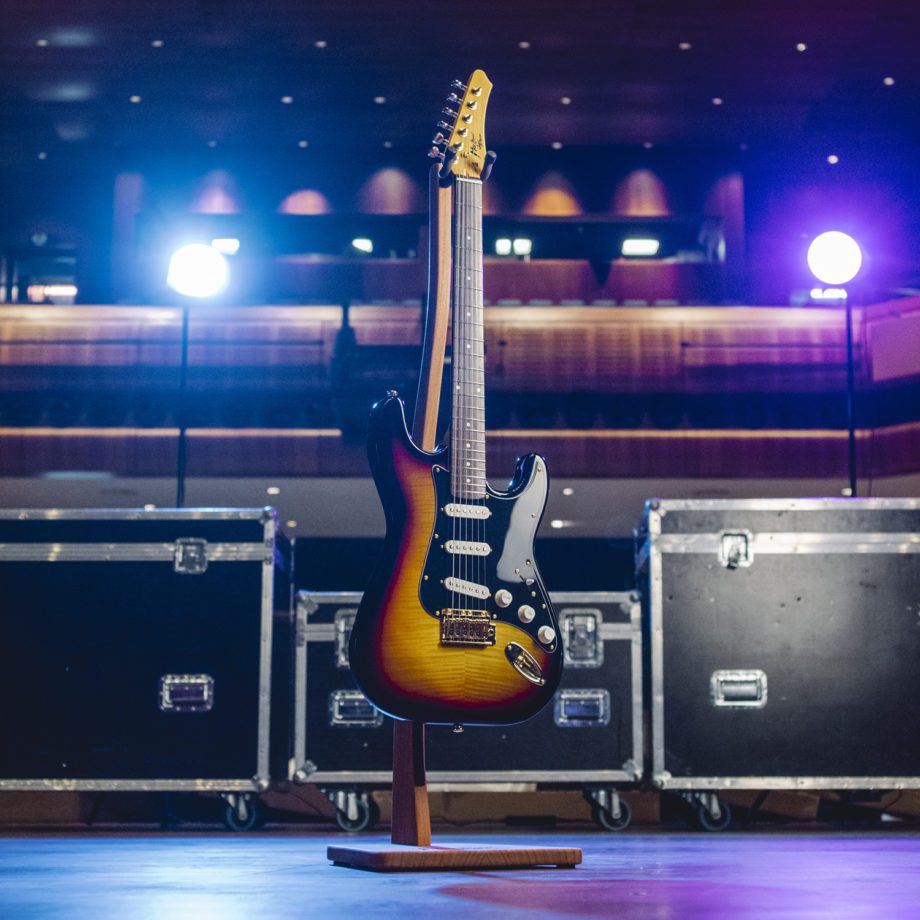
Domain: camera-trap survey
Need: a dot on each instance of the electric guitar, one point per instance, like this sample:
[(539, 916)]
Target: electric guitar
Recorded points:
[(456, 625)]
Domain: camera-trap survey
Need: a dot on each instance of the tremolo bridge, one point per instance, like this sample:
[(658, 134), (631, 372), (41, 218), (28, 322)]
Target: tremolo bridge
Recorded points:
[(466, 627)]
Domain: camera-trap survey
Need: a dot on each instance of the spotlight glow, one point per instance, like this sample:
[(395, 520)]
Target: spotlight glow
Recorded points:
[(503, 247), (834, 258), (197, 270), (229, 245), (640, 247), (362, 244), (522, 247)]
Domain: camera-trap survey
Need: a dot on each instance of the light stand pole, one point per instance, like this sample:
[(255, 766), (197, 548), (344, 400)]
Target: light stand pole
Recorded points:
[(195, 271), (835, 259), (851, 397), (181, 415)]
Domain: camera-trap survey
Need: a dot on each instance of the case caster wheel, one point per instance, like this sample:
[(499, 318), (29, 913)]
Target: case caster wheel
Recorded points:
[(242, 812), (714, 822), (355, 813), (609, 821)]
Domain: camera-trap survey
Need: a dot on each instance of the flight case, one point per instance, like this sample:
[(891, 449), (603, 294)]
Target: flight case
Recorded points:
[(784, 641), (590, 735), (137, 648)]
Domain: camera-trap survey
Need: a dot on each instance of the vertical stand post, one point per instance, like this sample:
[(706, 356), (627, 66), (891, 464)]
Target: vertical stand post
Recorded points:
[(411, 821), (851, 399), (180, 409)]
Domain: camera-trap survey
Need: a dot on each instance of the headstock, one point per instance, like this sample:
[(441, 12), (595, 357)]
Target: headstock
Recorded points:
[(461, 130)]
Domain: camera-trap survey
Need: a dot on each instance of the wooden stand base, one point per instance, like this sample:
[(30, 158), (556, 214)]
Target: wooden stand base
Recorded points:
[(391, 857)]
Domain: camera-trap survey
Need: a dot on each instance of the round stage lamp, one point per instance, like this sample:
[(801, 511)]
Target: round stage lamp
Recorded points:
[(197, 270), (834, 257)]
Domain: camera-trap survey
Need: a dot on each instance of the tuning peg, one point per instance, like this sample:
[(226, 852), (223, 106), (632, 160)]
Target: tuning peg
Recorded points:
[(459, 85), (491, 157), (445, 125), (453, 99), (450, 113), (435, 154), (439, 139)]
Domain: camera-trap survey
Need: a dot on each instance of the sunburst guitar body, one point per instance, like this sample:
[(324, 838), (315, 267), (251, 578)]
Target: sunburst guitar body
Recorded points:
[(420, 648), (456, 625)]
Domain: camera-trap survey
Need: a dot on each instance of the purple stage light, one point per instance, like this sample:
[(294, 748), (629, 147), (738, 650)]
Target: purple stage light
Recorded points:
[(834, 257)]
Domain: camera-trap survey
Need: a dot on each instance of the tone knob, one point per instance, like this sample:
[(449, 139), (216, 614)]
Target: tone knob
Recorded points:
[(526, 613), (546, 634), (503, 597)]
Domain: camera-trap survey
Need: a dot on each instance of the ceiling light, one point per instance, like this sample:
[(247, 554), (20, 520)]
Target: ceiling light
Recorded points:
[(640, 247), (135, 99), (522, 246), (556, 145), (717, 100), (556, 524), (685, 46), (566, 100), (42, 43), (303, 144), (212, 143), (157, 43), (42, 155), (290, 524), (568, 490), (363, 244), (833, 159), (319, 44), (287, 100), (524, 45), (801, 46), (388, 144), (503, 247), (150, 507), (888, 81), (380, 100), (273, 490)]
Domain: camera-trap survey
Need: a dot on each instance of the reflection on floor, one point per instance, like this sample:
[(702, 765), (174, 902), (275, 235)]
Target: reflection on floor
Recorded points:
[(630, 876)]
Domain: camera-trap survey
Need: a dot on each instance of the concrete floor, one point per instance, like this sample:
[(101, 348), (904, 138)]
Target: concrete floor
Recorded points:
[(660, 875)]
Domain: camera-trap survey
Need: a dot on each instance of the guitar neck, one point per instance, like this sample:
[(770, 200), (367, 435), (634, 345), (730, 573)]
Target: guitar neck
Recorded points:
[(468, 435)]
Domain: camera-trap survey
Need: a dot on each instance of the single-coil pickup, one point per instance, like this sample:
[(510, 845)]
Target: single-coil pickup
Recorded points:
[(476, 512), (467, 548), (469, 588)]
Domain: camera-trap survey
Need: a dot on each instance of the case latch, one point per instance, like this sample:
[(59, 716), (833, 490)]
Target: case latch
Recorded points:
[(344, 621), (735, 549), (190, 556), (581, 644)]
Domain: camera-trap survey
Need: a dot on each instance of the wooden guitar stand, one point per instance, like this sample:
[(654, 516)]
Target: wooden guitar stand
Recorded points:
[(410, 846)]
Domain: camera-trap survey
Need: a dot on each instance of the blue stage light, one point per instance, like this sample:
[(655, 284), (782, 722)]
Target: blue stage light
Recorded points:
[(197, 270), (834, 257)]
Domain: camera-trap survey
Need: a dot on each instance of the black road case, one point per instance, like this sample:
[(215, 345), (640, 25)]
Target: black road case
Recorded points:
[(784, 643), (590, 735), (137, 648)]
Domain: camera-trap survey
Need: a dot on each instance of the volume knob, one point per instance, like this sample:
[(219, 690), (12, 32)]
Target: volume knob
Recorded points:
[(546, 634), (526, 613), (503, 597)]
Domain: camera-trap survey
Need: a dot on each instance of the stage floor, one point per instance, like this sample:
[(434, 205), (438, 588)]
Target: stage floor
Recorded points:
[(660, 875)]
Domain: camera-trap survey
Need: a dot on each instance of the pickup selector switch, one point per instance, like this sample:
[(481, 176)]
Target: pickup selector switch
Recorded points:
[(526, 613), (503, 597), (546, 634)]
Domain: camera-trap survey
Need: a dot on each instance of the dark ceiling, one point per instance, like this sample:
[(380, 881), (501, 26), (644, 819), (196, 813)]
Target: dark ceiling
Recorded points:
[(635, 71)]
